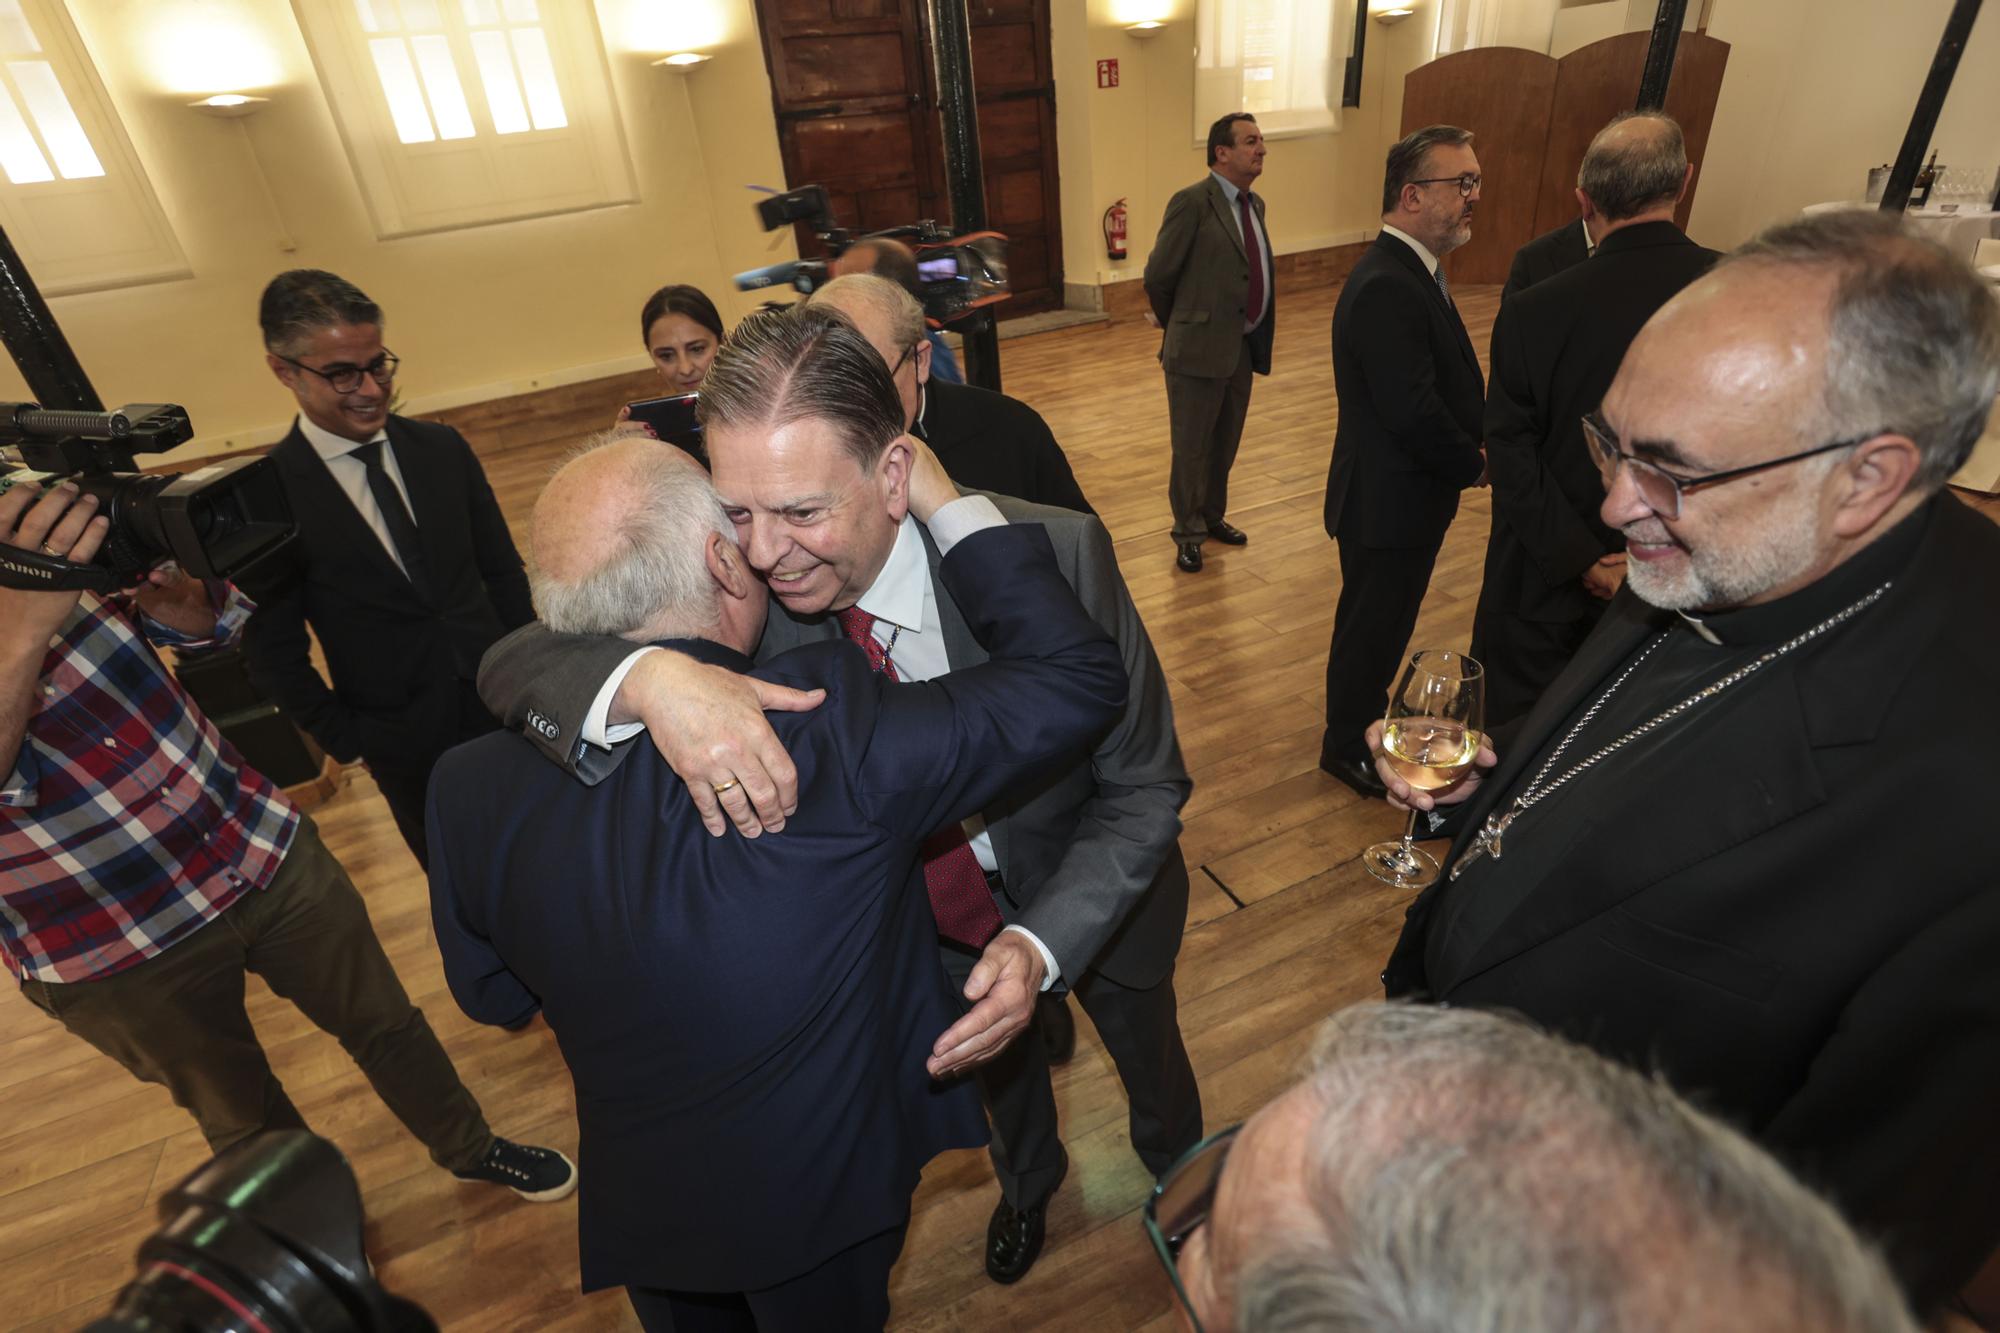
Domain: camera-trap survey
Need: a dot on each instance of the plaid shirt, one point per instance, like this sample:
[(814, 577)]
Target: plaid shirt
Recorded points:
[(127, 822)]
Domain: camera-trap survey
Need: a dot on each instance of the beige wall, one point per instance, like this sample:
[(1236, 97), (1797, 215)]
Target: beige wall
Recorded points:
[(488, 311), (474, 313), (1137, 141), (1818, 91)]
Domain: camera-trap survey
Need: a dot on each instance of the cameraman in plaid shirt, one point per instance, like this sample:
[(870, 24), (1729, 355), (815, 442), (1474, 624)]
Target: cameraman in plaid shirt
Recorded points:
[(144, 868)]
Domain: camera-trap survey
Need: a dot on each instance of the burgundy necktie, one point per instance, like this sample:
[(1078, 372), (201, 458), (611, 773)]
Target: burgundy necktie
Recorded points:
[(1255, 305), (960, 898)]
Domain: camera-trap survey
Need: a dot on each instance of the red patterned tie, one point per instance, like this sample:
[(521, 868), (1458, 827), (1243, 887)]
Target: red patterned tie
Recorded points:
[(960, 898), (1255, 304)]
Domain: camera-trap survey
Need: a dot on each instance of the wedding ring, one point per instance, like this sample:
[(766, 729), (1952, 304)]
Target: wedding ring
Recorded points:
[(51, 551), (721, 787)]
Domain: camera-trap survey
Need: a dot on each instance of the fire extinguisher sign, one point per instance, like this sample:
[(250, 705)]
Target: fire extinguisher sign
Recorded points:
[(1107, 73)]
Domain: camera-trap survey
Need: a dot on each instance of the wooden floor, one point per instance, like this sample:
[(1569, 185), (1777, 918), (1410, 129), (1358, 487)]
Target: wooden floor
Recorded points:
[(1283, 926)]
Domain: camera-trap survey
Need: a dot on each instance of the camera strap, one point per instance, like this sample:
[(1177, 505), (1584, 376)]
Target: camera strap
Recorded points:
[(38, 571)]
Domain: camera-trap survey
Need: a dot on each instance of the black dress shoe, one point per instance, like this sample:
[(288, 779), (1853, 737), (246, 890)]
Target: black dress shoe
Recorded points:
[(1190, 557), (1014, 1239), (1228, 535), (1058, 1027), (1359, 774)]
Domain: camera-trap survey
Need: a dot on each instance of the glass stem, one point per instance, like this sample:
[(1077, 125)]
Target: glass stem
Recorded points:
[(1409, 836)]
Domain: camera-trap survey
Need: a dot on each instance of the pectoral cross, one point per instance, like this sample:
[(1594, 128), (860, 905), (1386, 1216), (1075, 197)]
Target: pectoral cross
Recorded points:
[(1488, 841)]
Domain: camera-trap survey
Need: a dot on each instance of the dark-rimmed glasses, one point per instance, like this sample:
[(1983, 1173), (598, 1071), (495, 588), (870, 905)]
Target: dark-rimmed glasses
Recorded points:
[(1180, 1203), (1662, 490), (1466, 183), (346, 379), (902, 360)]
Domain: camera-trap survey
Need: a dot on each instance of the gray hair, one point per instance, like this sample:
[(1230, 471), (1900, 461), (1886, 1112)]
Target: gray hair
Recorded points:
[(1626, 175), (805, 362), (655, 581), (1470, 1173), (1407, 158), (301, 301), (1913, 335), (887, 298)]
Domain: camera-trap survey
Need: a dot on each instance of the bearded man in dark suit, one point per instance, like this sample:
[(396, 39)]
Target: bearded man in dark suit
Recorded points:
[(1407, 441), (1715, 847), (403, 568)]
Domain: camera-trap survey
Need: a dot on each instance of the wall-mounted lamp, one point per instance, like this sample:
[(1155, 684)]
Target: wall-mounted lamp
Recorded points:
[(684, 61), (1390, 17), (1144, 28), (230, 105)]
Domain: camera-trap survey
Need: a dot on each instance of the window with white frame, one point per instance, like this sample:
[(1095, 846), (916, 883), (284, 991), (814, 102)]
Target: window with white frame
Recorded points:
[(1280, 60), (461, 112), (72, 197)]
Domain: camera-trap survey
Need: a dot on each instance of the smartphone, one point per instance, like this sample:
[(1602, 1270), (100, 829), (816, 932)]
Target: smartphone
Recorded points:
[(672, 419)]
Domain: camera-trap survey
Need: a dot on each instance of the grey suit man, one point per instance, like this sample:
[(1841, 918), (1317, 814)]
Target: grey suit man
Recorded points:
[(1083, 864), (1209, 281)]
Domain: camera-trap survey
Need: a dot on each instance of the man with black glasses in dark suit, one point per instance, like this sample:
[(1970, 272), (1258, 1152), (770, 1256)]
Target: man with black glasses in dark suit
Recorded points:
[(1408, 437), (404, 568)]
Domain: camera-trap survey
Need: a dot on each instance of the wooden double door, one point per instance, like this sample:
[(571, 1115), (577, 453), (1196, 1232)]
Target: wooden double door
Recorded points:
[(855, 91)]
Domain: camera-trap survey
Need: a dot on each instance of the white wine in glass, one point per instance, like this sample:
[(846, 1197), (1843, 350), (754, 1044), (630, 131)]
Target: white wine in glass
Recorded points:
[(1430, 737)]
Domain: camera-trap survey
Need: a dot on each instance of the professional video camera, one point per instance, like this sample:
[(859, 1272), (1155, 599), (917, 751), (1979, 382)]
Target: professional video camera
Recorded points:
[(955, 274), (266, 1236), (214, 521)]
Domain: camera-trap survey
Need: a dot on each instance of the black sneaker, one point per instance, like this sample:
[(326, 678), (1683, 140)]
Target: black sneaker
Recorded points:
[(539, 1175)]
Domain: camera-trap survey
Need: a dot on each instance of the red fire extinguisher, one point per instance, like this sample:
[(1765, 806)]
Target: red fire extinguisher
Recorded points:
[(1114, 230)]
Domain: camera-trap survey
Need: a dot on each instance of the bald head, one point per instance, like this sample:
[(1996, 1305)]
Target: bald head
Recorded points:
[(1635, 168), (622, 536), (883, 257)]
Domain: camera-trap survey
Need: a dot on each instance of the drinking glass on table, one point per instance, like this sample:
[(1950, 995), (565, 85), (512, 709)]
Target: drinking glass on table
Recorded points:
[(1430, 736)]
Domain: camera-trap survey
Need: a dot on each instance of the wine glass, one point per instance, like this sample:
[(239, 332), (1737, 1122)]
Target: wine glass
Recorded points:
[(1430, 736)]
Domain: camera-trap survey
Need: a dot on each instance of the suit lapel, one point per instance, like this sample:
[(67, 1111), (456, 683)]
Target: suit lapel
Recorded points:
[(960, 648), (312, 483), (428, 485), (1220, 203), (1407, 257)]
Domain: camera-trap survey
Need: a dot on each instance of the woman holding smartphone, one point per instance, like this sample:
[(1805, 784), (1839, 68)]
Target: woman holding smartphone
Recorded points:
[(683, 331)]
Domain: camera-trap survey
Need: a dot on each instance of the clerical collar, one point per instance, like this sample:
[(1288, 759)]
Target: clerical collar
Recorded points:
[(897, 594), (1881, 560), (330, 446)]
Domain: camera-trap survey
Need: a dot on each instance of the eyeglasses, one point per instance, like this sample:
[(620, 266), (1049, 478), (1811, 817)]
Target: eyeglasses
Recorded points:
[(1466, 184), (902, 360), (1662, 490), (1180, 1203), (346, 379)]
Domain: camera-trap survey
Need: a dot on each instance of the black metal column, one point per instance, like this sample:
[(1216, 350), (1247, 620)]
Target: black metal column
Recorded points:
[(964, 171), (1350, 88), (1660, 55), (36, 341), (1923, 122)]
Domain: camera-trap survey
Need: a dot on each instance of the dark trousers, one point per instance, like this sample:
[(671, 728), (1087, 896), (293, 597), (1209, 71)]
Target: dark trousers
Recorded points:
[(1523, 657), (178, 1018), (1380, 591), (1141, 1032), (1205, 420), (405, 780), (849, 1292)]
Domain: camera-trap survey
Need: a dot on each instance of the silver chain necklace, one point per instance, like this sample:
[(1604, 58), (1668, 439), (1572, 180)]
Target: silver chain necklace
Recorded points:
[(1495, 827)]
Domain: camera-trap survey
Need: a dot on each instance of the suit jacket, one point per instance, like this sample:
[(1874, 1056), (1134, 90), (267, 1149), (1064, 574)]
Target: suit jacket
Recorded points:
[(1556, 349), (1773, 913), (1090, 852), (1545, 256), (747, 1021), (990, 442), (1198, 281), (396, 656), (1407, 440)]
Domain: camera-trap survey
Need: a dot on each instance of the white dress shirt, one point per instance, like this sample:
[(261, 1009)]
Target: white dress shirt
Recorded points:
[(1230, 192), (351, 475), (903, 601), (1423, 253)]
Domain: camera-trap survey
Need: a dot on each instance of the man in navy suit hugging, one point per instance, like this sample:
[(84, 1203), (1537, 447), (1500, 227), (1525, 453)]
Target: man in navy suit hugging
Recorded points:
[(757, 1030)]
